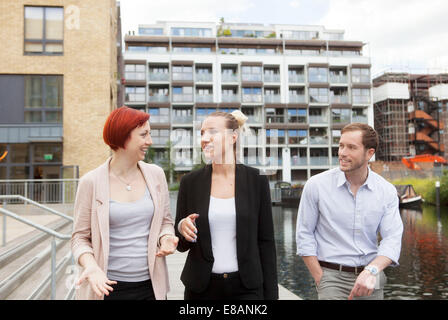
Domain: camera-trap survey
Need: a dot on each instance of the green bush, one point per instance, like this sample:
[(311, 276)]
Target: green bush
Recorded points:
[(427, 187)]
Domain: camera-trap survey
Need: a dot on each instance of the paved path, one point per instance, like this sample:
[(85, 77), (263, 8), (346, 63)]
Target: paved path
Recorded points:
[(175, 264)]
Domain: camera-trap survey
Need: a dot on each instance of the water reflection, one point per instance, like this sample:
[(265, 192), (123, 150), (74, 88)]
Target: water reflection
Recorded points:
[(423, 270)]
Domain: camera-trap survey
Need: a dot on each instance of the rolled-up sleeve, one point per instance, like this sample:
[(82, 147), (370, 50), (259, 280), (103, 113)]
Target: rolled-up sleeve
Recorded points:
[(306, 221), (391, 230)]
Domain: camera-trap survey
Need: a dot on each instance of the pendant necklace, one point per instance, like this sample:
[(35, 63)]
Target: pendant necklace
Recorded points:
[(128, 185)]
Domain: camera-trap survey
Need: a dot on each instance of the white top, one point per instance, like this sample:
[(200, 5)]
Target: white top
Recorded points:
[(222, 221)]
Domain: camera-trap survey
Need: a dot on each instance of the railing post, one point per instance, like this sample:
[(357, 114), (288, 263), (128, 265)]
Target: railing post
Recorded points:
[(53, 268), (26, 192), (4, 225)]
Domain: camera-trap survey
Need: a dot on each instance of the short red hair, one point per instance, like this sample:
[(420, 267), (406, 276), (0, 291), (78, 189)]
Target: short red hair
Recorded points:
[(119, 125)]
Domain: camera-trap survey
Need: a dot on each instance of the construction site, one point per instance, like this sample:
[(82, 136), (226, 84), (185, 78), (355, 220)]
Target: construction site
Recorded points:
[(410, 116)]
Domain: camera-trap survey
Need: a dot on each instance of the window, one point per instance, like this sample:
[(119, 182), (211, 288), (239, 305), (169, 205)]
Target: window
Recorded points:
[(275, 136), (49, 152), (182, 73), (182, 94), (134, 71), (297, 136), (251, 73), (297, 115), (318, 95), (44, 30), (340, 115), (319, 75), (160, 136), (151, 31), (191, 32), (360, 75), (43, 99), (159, 115)]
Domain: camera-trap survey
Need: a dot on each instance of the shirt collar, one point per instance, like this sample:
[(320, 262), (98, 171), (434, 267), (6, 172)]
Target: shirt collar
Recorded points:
[(343, 180)]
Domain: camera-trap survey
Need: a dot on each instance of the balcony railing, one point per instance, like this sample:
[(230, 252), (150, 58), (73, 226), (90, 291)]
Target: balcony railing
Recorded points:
[(272, 98), (318, 119), (254, 119), (298, 140), (230, 98), (182, 76), (159, 77), (160, 119), (361, 119), (338, 79), (159, 98), (299, 161), (274, 161), (182, 98), (319, 161), (335, 161), (160, 140), (297, 98), (229, 78), (182, 119), (204, 77), (361, 100), (339, 99), (271, 78), (204, 98), (252, 98), (183, 162), (254, 161), (340, 119), (275, 119), (318, 140), (298, 78), (297, 119)]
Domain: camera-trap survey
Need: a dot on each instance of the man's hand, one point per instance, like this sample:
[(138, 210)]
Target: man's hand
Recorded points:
[(364, 285)]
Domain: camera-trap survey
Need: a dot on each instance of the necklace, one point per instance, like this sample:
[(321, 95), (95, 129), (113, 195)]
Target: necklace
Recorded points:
[(128, 184)]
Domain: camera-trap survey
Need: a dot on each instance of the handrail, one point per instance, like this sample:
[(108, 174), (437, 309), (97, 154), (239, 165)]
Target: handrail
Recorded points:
[(36, 225), (40, 227), (37, 204)]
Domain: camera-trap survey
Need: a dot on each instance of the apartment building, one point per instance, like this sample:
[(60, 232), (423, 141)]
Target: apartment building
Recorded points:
[(410, 114), (58, 83), (299, 85)]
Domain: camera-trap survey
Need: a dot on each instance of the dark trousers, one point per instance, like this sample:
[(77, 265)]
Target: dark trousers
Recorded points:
[(227, 286), (132, 291)]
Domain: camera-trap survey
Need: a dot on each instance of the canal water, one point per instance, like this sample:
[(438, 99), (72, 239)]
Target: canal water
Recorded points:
[(423, 269)]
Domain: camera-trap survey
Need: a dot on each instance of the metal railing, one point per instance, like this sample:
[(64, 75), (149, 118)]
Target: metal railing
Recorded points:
[(41, 190), (40, 227)]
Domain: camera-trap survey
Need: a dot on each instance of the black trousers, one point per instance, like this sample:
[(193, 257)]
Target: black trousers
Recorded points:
[(226, 286), (132, 291)]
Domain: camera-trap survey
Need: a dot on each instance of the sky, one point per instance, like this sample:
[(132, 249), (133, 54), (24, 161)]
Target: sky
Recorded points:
[(403, 35)]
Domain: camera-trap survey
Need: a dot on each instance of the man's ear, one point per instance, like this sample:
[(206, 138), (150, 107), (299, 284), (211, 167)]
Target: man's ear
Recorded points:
[(370, 153)]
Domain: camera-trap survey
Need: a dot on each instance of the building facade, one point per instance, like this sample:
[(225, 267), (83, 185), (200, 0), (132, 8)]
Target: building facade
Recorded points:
[(58, 83), (298, 85), (410, 114)]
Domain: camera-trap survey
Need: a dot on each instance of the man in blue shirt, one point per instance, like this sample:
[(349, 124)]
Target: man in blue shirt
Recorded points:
[(341, 212)]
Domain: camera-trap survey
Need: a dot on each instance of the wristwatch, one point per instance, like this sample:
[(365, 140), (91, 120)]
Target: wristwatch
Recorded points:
[(372, 269)]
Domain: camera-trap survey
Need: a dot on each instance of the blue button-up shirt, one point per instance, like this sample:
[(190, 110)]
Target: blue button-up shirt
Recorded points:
[(338, 227)]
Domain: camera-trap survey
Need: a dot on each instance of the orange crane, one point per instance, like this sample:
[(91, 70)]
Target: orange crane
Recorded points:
[(410, 162)]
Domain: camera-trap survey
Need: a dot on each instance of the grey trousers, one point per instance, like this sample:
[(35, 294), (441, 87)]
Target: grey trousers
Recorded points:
[(336, 285)]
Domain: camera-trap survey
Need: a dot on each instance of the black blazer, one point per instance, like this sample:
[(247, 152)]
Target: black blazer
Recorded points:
[(256, 252)]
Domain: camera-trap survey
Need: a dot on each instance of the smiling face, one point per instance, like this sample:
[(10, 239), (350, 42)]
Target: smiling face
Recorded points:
[(217, 141), (352, 153), (139, 141)]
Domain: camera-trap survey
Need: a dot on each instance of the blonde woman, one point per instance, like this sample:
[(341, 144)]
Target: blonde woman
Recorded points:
[(224, 221), (123, 227)]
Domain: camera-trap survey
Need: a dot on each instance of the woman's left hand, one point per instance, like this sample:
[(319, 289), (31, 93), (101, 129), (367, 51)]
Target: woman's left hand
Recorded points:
[(168, 245)]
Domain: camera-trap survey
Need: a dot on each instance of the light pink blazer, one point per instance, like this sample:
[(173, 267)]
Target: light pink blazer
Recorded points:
[(91, 224)]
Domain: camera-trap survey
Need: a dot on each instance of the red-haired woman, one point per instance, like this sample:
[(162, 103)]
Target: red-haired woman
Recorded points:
[(123, 227)]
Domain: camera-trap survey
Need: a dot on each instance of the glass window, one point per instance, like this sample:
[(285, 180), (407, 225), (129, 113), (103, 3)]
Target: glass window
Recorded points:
[(19, 172), (151, 31), (44, 30), (48, 152), (2, 173), (318, 95), (318, 75), (43, 99), (361, 75), (19, 153)]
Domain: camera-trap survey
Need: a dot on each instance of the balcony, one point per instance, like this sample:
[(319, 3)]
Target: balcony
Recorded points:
[(275, 119), (159, 77), (252, 98), (297, 78), (318, 140), (202, 98), (274, 161), (342, 99), (182, 119), (160, 141), (254, 161), (338, 79), (204, 77), (230, 98), (272, 98), (160, 119), (318, 119), (299, 161), (272, 78), (361, 99), (183, 162), (182, 76), (182, 98), (183, 141), (229, 77), (254, 119), (159, 98), (319, 161), (297, 119), (297, 98)]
